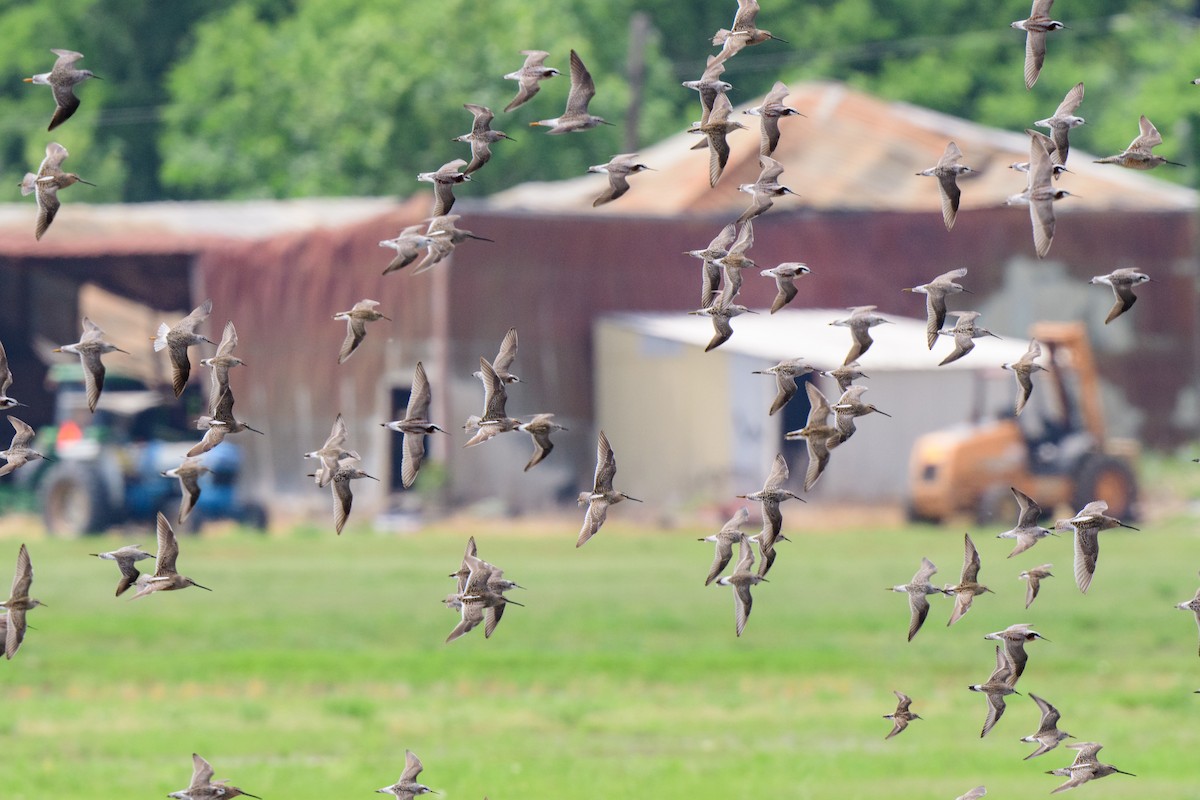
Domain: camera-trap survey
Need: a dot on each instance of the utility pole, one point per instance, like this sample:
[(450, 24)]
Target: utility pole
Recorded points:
[(635, 73)]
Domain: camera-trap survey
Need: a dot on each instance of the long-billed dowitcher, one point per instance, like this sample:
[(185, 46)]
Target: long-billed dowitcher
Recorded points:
[(1122, 282), (343, 497), (165, 577), (998, 686), (203, 787), (1036, 26), (62, 79), (965, 333), (408, 245), (764, 190), (860, 322), (481, 598), (89, 348), (730, 534), (576, 116), (495, 419), (902, 715), (218, 424), (46, 183), (785, 275), (1027, 532), (716, 249), (1087, 525), (529, 77), (222, 362), (126, 557), (1033, 577), (6, 380), (407, 787), (968, 587), (356, 320), (445, 236), (1086, 767), (1041, 195), (1061, 123), (18, 603), (505, 356), (709, 85), (721, 311), (935, 300), (539, 429), (947, 170), (785, 373), (816, 433), (742, 578), (332, 451), (443, 179), (1015, 637), (1192, 605), (481, 138), (1023, 369), (769, 113), (736, 260), (917, 589), (1048, 735), (716, 128), (618, 169), (849, 407), (602, 494), (177, 338), (744, 32), (845, 375), (769, 497), (188, 474), (415, 426), (19, 452), (1139, 155)]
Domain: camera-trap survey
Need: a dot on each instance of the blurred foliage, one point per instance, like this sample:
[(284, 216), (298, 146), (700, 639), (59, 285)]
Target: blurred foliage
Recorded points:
[(279, 98)]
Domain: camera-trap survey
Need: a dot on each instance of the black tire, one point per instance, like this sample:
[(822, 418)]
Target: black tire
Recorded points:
[(912, 515), (995, 505), (73, 500), (254, 516), (1102, 477)]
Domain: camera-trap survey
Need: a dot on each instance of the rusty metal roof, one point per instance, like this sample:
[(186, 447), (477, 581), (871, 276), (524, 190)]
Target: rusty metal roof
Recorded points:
[(851, 151)]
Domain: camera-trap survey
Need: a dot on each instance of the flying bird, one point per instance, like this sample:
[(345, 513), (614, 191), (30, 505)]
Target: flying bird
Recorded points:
[(6, 380), (332, 451), (1087, 525), (849, 407), (785, 373), (1041, 195), (62, 79), (177, 338), (770, 112), (901, 716), (618, 169), (965, 333), (998, 686), (203, 787), (724, 539), (539, 429), (407, 787), (1033, 577), (529, 77), (1139, 154), (785, 275), (917, 590), (1086, 767), (356, 325), (444, 236), (741, 580), (219, 423), (1023, 369), (221, 363), (817, 433), (1122, 282), (19, 452), (860, 322), (1048, 735), (1027, 532), (1036, 26), (343, 497), (443, 180), (126, 558), (709, 85), (718, 248), (481, 138), (188, 474), (769, 497), (744, 32), (947, 170), (415, 426), (1015, 637), (602, 494), (495, 419), (46, 183), (716, 128), (576, 116), (968, 587), (165, 577), (1192, 605), (90, 347), (1061, 123), (18, 603), (935, 300), (408, 246)]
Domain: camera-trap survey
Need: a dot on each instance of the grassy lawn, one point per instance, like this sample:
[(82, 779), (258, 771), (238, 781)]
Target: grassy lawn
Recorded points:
[(317, 660)]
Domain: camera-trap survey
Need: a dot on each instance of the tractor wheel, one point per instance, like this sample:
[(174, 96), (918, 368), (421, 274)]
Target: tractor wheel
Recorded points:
[(73, 501), (995, 505), (1102, 477), (254, 516)]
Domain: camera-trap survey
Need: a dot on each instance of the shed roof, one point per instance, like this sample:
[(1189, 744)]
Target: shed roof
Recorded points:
[(808, 334), (851, 151)]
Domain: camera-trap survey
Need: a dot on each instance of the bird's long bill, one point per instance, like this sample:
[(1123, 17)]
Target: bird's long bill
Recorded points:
[(89, 183), (205, 588), (634, 499), (256, 430)]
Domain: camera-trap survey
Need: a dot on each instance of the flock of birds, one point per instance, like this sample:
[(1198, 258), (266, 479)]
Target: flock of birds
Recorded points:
[(480, 591)]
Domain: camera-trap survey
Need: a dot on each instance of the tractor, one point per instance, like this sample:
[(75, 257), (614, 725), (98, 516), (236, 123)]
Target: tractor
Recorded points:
[(1058, 451)]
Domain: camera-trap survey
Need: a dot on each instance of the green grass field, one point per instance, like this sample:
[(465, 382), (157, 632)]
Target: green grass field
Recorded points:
[(317, 660)]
